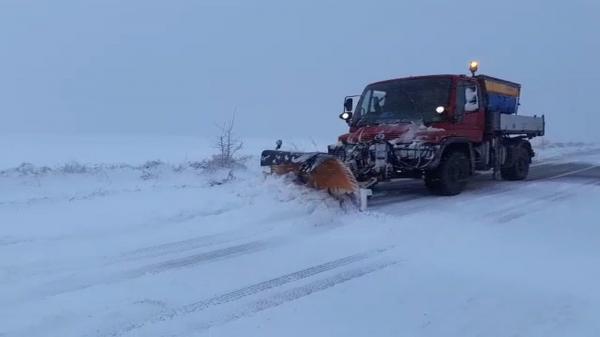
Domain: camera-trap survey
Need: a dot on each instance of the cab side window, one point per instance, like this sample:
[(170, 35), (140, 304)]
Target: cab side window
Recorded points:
[(467, 99), (364, 106), (471, 98)]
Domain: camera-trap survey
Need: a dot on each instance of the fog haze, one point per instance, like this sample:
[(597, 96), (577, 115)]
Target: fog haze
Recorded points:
[(179, 67)]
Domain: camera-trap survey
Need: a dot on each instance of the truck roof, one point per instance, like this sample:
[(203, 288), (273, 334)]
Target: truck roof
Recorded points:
[(483, 77), (415, 77)]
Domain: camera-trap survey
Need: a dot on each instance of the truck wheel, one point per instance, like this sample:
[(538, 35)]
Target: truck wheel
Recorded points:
[(432, 183), (450, 178), (520, 165)]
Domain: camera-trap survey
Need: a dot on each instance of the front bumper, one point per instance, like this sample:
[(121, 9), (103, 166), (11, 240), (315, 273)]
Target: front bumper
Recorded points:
[(414, 155)]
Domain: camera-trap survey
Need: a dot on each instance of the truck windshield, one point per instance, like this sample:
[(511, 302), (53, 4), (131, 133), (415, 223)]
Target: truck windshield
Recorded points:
[(404, 100)]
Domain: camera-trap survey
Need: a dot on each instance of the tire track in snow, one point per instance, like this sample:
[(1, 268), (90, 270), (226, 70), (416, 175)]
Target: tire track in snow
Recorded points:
[(294, 294), (174, 247), (191, 260), (180, 246), (507, 214), (251, 290), (179, 217), (101, 278)]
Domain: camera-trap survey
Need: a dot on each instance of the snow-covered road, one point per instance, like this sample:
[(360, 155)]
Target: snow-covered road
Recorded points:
[(162, 250)]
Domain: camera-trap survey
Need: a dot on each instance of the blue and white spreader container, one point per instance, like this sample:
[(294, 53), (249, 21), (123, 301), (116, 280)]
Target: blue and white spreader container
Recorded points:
[(502, 95)]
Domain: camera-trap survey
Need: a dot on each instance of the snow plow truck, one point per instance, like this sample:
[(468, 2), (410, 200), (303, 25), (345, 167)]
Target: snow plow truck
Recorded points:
[(438, 128)]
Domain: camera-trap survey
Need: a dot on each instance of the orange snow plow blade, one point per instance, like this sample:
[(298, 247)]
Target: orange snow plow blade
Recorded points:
[(318, 170), (331, 174)]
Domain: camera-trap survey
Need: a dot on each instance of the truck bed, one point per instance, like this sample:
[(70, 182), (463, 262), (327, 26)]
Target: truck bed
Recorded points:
[(517, 124)]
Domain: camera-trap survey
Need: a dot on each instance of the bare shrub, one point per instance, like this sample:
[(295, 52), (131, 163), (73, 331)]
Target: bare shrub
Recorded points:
[(228, 147)]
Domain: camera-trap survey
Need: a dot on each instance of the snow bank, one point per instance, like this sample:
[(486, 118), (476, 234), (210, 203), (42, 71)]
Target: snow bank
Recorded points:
[(134, 149)]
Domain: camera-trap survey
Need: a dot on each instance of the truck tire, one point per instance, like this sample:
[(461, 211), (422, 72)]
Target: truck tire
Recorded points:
[(451, 176), (432, 183), (519, 169)]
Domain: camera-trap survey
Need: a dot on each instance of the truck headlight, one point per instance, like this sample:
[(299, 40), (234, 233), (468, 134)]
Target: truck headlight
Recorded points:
[(345, 115)]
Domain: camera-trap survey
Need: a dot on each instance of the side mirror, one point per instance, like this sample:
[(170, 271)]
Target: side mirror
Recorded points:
[(348, 112), (348, 104)]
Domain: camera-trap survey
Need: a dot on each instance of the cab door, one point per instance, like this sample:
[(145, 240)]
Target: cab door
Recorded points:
[(468, 110)]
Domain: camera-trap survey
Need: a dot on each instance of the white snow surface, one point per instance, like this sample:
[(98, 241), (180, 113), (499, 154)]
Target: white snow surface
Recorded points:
[(108, 236)]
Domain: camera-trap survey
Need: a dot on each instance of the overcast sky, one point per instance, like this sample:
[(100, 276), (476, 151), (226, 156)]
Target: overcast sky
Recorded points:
[(181, 66)]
